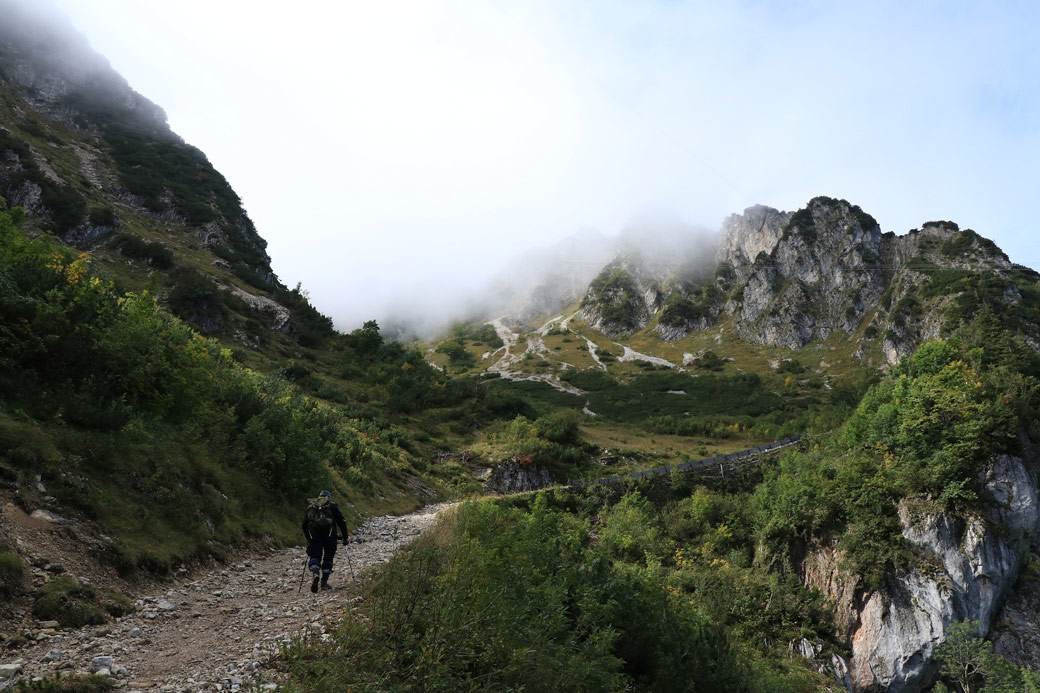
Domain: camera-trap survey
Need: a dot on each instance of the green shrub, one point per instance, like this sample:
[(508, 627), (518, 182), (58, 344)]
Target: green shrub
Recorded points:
[(194, 297), (102, 216), (588, 380), (926, 431), (682, 311), (74, 604), (515, 599), (790, 366), (559, 427), (613, 292), (459, 358), (632, 531), (156, 254), (483, 333), (710, 361), (12, 574)]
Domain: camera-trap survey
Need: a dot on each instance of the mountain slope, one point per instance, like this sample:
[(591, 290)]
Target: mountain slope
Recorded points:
[(791, 279), (95, 163)]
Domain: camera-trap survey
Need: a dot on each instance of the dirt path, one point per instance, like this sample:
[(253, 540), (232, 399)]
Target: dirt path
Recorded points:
[(215, 630), (535, 346)]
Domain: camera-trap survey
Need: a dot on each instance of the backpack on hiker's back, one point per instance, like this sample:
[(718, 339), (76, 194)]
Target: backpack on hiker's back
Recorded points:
[(319, 515)]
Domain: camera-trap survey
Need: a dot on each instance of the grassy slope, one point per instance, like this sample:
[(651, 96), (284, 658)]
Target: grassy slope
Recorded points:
[(628, 397)]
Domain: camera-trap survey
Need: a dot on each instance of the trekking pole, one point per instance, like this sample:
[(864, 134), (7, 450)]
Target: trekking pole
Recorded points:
[(302, 574), (350, 563)]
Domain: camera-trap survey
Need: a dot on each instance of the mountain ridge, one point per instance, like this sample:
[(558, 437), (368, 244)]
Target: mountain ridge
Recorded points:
[(789, 279)]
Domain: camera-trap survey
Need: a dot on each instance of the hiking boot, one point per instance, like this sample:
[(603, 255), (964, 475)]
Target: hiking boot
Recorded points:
[(314, 584), (325, 583)]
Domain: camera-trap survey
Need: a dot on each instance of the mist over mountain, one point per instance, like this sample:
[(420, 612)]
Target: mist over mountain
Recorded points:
[(95, 163), (167, 403)]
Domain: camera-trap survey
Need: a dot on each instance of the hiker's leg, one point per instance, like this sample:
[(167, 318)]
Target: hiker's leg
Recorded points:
[(329, 546), (326, 562), (314, 547)]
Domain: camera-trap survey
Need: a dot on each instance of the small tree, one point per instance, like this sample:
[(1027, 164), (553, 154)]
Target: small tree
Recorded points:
[(963, 655)]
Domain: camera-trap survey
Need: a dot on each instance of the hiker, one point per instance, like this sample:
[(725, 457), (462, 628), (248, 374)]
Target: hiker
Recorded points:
[(319, 526)]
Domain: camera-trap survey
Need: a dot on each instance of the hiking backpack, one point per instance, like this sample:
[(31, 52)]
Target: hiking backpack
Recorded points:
[(319, 517)]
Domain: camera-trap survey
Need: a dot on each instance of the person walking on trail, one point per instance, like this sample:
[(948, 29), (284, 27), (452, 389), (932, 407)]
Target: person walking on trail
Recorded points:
[(320, 522)]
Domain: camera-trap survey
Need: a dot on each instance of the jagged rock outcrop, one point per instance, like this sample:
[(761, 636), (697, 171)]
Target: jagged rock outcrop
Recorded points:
[(278, 315), (833, 666), (514, 476), (746, 236), (819, 275), (789, 279), (935, 272), (1016, 630), (966, 571), (622, 298)]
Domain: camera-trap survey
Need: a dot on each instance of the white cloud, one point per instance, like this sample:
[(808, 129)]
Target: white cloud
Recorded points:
[(381, 146)]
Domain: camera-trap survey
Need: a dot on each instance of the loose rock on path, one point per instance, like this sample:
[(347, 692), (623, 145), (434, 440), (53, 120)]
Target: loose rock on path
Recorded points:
[(216, 631)]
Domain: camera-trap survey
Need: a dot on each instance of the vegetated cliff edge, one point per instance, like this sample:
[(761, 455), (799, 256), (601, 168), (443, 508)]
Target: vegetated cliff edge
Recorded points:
[(966, 570), (789, 279)]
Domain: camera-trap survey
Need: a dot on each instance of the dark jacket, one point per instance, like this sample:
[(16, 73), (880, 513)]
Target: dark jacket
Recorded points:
[(337, 521)]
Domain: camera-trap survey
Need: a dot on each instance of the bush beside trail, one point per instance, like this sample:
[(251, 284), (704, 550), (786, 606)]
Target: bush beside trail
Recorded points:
[(137, 423)]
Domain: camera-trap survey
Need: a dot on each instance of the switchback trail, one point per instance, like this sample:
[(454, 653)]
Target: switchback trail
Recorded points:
[(215, 631)]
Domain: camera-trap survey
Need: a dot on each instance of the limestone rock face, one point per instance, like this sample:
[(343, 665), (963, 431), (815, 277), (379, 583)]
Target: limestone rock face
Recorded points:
[(55, 69), (791, 278), (1016, 632), (514, 476), (812, 272), (278, 315), (968, 569), (746, 236)]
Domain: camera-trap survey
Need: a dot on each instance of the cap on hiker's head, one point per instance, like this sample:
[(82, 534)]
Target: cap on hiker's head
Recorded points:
[(324, 494)]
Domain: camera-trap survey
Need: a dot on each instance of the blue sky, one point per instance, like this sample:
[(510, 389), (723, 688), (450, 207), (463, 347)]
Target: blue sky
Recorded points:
[(401, 152)]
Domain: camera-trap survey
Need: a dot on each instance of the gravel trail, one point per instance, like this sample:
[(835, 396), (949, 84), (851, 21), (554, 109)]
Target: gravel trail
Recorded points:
[(216, 630)]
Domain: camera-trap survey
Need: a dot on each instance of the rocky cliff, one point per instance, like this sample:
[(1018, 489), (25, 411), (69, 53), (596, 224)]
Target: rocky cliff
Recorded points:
[(790, 279), (622, 298), (816, 273), (965, 571)]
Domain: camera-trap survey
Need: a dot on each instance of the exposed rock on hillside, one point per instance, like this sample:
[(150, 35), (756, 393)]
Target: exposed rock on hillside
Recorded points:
[(746, 236), (820, 275), (96, 164), (788, 279), (80, 150), (278, 315), (658, 269), (514, 476), (966, 571), (55, 70), (1016, 631), (622, 298)]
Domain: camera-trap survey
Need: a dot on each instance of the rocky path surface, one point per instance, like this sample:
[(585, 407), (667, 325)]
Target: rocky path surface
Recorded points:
[(535, 345), (216, 631)]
